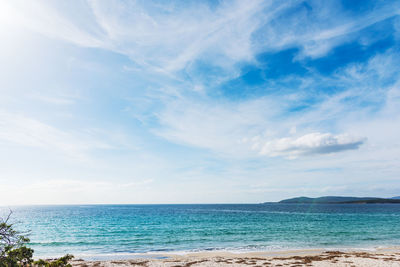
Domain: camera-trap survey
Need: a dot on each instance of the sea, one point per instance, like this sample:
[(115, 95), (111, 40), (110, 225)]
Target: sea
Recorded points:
[(118, 231)]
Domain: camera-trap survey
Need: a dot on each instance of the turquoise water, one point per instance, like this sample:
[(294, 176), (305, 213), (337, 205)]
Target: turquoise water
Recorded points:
[(125, 229)]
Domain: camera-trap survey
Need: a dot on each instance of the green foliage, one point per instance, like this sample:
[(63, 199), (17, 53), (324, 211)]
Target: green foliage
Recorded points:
[(12, 249), (14, 253), (61, 262), (21, 256)]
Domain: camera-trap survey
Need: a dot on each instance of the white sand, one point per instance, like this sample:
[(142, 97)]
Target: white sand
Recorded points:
[(296, 258)]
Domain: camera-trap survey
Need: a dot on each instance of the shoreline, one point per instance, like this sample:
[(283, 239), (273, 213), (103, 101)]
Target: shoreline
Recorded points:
[(223, 253), (388, 256)]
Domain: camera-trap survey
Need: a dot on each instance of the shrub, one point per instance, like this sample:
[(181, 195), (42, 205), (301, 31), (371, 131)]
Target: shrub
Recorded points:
[(14, 253), (61, 262)]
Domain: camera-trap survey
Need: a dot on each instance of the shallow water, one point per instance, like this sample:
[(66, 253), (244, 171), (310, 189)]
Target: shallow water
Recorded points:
[(125, 229)]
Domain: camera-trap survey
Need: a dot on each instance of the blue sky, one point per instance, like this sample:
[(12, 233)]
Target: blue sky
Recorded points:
[(198, 102)]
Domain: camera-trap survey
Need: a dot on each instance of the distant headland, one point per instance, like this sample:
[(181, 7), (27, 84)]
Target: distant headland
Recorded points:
[(340, 200)]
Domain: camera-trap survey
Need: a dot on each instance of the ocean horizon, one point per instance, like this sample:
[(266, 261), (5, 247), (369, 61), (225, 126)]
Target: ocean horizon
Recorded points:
[(123, 231)]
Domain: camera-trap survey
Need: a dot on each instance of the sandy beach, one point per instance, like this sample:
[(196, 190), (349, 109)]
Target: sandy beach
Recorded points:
[(379, 257)]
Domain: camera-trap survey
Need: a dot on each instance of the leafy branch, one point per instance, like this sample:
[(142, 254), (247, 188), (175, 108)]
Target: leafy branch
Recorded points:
[(15, 253)]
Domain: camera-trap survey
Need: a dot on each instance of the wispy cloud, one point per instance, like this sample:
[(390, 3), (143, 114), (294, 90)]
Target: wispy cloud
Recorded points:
[(211, 92), (238, 128), (316, 28), (25, 131), (59, 191), (46, 19), (168, 38)]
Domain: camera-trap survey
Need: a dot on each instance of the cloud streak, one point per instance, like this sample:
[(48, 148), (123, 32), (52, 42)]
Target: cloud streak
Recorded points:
[(310, 144), (245, 127), (212, 93), (168, 38), (25, 131)]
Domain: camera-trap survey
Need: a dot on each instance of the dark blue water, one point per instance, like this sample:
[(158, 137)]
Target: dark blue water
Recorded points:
[(124, 229)]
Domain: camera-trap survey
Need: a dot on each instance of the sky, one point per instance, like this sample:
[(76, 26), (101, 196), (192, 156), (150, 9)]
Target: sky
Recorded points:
[(198, 101)]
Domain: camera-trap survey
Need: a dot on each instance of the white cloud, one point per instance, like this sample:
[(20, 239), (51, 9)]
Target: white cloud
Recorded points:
[(219, 128), (316, 33), (41, 17), (170, 41), (59, 191), (309, 144), (167, 38), (240, 129), (25, 131)]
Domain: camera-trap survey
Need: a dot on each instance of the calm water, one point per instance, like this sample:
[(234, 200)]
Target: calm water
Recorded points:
[(124, 229)]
